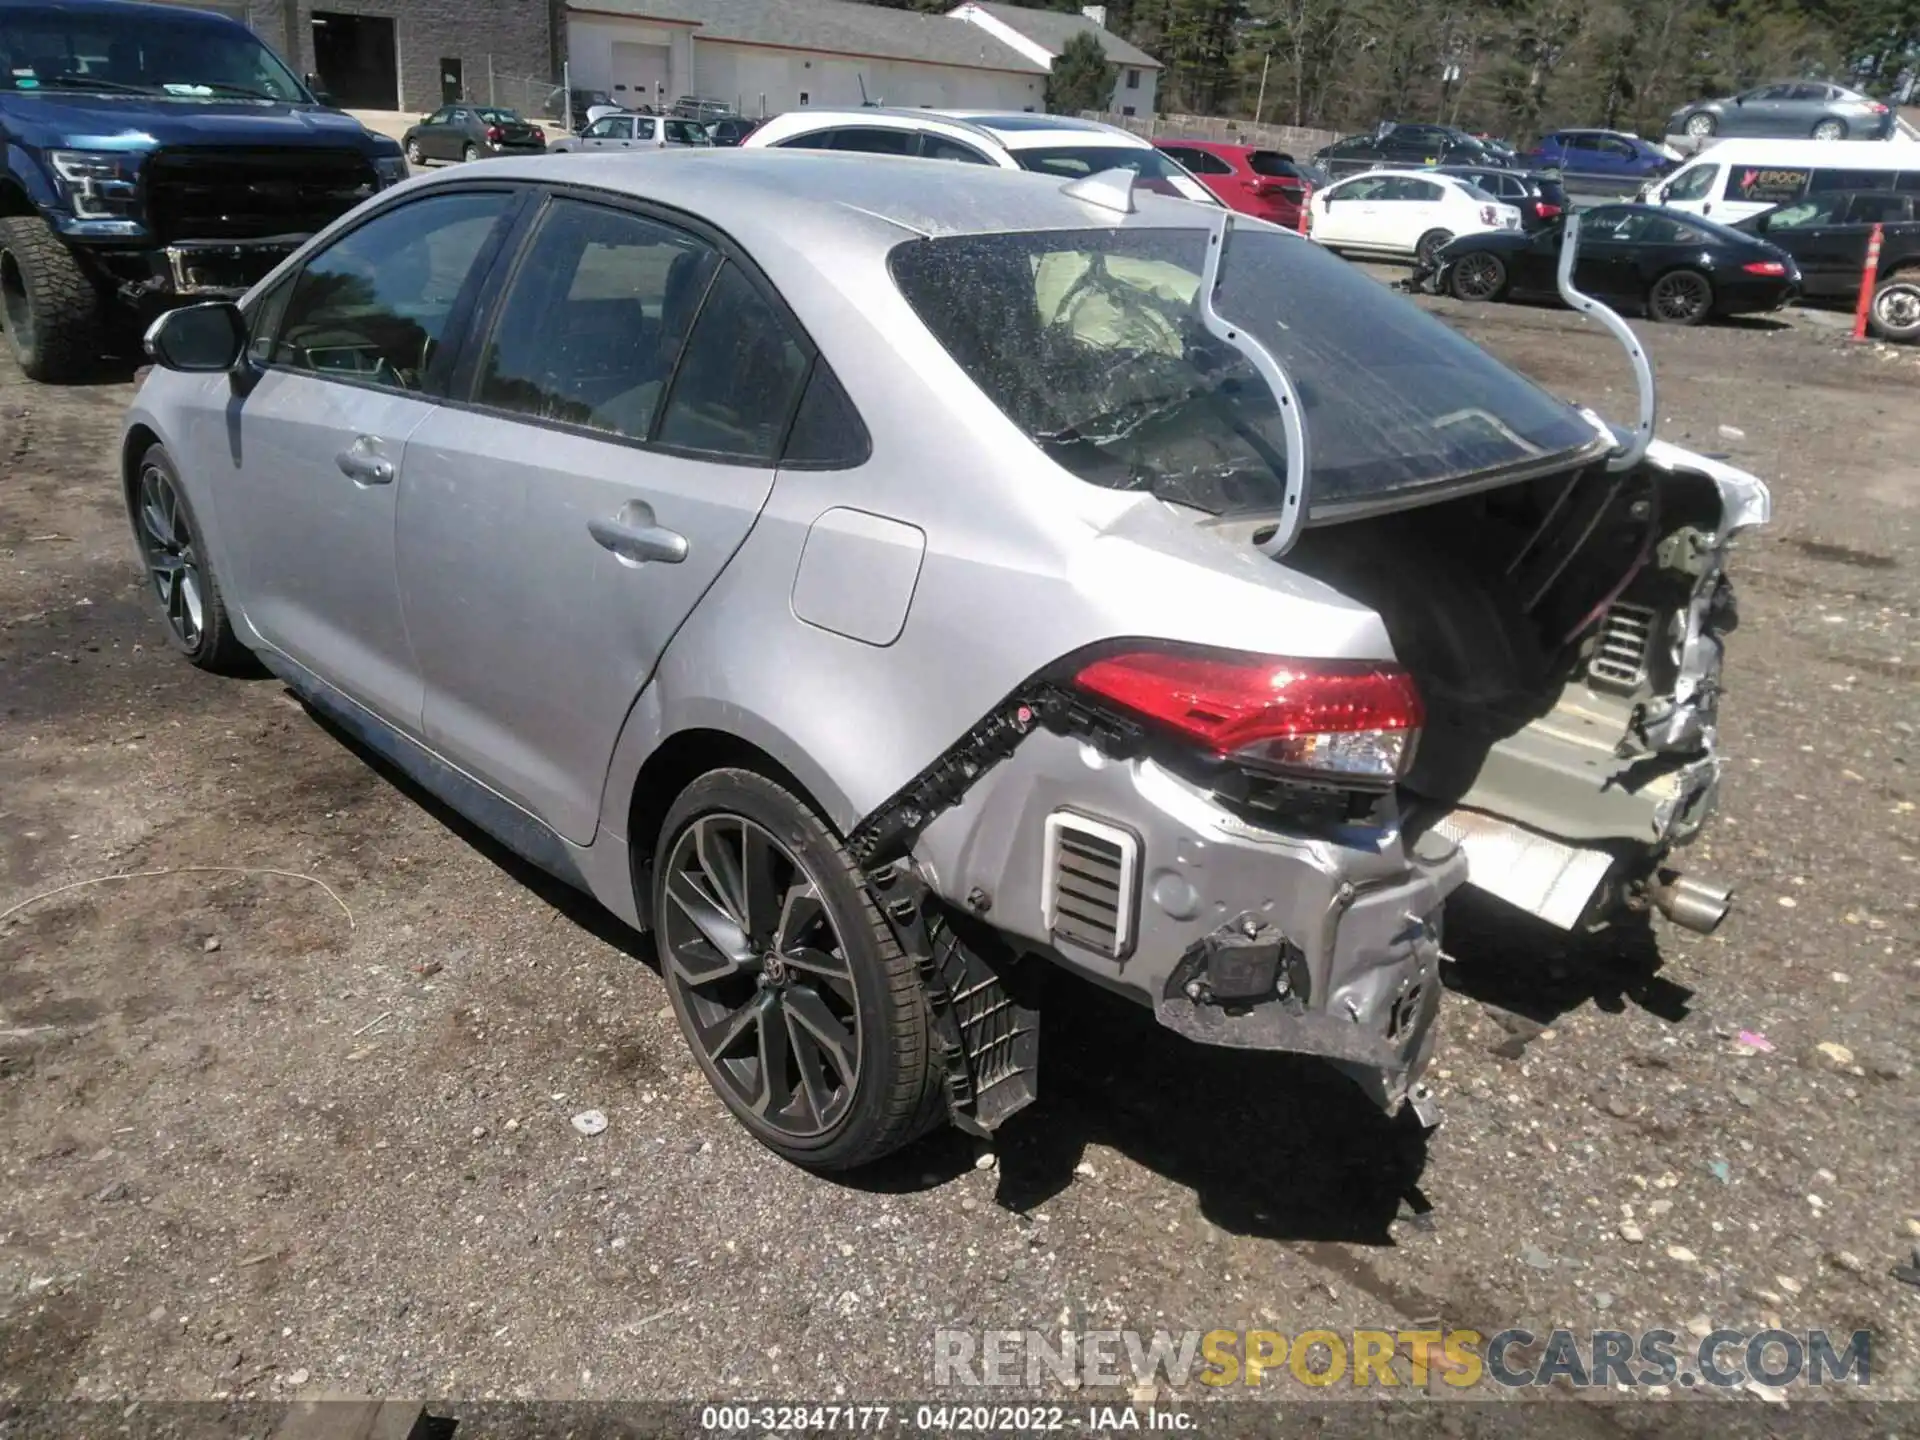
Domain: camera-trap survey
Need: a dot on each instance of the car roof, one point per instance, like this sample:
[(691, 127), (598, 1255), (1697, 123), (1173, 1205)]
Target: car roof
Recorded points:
[(776, 196), (130, 10), (1011, 131), (1220, 147), (1424, 172)]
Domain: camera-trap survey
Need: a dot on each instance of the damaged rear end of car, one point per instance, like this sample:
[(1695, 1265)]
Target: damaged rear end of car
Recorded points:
[(1259, 843)]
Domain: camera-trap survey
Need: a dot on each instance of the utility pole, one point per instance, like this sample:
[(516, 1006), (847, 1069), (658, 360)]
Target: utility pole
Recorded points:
[(1260, 105)]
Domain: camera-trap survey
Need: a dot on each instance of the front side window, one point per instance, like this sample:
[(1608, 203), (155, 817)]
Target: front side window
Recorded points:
[(741, 377), (1806, 214), (813, 140), (440, 116), (1694, 184), (149, 52), (374, 305), (1156, 171), (1090, 342), (1370, 187), (872, 140), (593, 324), (601, 129)]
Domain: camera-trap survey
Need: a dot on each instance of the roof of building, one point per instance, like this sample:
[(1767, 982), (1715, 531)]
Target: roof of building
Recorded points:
[(1052, 29), (835, 26)]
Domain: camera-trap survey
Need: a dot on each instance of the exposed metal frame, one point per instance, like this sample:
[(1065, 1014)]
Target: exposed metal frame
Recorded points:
[(1627, 456)]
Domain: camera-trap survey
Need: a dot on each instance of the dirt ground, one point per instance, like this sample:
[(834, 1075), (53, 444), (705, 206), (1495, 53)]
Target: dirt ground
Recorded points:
[(263, 1135)]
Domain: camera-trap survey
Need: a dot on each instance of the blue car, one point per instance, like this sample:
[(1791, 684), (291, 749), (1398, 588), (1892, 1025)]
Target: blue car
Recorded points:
[(153, 156), (1607, 159)]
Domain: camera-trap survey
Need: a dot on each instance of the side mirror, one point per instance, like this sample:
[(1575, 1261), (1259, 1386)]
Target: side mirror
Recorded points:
[(199, 339)]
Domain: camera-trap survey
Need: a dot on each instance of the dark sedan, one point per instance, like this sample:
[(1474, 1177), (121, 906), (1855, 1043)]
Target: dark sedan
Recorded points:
[(730, 130), (1679, 269), (1541, 198), (467, 132), (1398, 145)]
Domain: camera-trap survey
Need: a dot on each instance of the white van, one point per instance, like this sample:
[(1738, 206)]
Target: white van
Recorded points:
[(1737, 178)]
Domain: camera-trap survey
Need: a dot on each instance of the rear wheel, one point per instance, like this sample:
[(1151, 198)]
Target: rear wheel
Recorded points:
[(1478, 276), (800, 1007), (179, 570), (1431, 244), (1680, 297), (1701, 124), (1830, 129), (1895, 314), (49, 305), (471, 153)]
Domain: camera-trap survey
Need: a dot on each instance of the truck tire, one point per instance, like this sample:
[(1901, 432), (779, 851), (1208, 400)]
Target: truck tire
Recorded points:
[(1895, 312), (50, 307)]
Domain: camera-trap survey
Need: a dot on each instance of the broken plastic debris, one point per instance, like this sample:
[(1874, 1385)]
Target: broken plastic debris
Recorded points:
[(1732, 432), (1754, 1040), (590, 1122)]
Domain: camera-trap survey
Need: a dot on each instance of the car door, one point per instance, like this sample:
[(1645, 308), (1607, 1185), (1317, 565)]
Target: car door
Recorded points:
[(432, 134), (308, 454), (1815, 233), (459, 132), (624, 401), (1760, 112), (1406, 209), (1608, 260), (1348, 211)]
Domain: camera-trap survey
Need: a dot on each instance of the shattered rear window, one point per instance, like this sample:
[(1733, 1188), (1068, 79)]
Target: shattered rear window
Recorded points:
[(1091, 342)]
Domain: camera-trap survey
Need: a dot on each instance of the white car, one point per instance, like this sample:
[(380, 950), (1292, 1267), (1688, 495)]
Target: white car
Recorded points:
[(1394, 212), (1050, 144)]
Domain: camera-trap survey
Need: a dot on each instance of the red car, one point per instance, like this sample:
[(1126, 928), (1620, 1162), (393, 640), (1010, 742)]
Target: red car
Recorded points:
[(1264, 183)]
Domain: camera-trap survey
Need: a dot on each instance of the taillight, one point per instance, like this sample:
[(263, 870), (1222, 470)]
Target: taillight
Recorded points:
[(1352, 720), (1545, 209), (539, 136), (493, 132), (1764, 267), (1877, 108)]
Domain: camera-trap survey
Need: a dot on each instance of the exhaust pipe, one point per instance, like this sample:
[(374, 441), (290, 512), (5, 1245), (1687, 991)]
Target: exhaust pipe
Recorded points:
[(1698, 905)]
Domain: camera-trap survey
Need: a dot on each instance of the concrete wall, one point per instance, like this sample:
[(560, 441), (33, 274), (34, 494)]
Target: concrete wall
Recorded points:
[(590, 42), (1290, 138)]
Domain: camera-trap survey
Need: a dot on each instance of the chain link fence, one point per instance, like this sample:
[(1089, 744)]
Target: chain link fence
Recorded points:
[(537, 97)]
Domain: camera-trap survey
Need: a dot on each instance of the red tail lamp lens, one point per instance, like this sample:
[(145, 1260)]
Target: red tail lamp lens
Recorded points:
[(1336, 718), (1764, 267)]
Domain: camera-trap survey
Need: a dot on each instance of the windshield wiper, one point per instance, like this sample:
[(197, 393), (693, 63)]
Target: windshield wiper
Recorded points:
[(220, 87), (89, 82)]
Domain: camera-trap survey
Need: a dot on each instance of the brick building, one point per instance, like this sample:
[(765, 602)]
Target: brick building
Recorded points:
[(414, 54)]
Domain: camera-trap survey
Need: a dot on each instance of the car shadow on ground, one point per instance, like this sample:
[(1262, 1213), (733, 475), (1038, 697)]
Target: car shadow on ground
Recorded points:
[(1274, 1146)]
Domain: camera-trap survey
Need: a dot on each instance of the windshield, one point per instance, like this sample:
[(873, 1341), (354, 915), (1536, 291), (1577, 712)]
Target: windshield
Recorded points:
[(1090, 342), (131, 52), (1076, 162), (499, 117)]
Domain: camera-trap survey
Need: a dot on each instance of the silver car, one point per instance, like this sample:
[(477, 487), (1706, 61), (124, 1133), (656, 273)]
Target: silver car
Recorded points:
[(633, 132), (884, 582), (1792, 109)]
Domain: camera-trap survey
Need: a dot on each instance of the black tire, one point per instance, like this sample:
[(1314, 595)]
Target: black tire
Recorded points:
[(1477, 276), (890, 1099), (1680, 297), (50, 307), (1830, 128), (414, 157), (1701, 125), (180, 576), (1431, 244), (1895, 312), (471, 153)]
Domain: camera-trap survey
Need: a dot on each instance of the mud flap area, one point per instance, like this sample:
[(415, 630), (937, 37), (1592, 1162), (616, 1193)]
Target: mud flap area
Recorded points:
[(985, 1008)]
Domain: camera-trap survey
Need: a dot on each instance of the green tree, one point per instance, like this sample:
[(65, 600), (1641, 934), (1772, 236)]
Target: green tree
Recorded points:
[(1081, 78)]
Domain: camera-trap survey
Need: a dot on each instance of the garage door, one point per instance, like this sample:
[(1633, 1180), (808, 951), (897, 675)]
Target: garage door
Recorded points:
[(640, 74)]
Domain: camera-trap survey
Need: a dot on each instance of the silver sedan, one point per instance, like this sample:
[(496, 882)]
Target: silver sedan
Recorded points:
[(885, 582)]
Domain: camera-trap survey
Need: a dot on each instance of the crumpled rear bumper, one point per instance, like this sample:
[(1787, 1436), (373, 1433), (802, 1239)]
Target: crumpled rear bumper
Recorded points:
[(1341, 932)]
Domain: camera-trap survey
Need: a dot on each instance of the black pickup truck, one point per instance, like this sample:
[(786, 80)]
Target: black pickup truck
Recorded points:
[(152, 156), (1828, 234)]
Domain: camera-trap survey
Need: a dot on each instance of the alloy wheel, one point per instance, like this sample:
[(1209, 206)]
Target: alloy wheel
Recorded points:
[(1896, 309), (1681, 298), (173, 563), (761, 975), (1431, 244), (1477, 276), (413, 152), (1700, 125), (1830, 130)]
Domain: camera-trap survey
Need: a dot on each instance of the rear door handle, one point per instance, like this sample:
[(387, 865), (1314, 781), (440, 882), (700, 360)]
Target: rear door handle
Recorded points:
[(636, 544), (364, 468)]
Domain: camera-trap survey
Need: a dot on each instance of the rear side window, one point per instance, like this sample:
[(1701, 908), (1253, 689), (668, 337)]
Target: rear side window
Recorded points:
[(1200, 162), (1089, 341), (813, 140), (1850, 180), (1766, 184), (593, 325), (1272, 162), (827, 433), (1877, 209), (871, 140), (736, 388), (374, 305), (938, 147)]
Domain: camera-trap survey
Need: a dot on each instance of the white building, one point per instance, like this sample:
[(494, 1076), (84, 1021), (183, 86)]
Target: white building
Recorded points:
[(763, 57), (1041, 35)]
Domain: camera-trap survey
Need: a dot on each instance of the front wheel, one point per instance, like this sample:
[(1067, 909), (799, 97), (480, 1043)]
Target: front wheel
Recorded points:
[(180, 571), (1478, 276), (1701, 126), (1431, 244), (50, 307), (1680, 297), (800, 1007), (414, 157), (1895, 314), (471, 153), (1830, 129)]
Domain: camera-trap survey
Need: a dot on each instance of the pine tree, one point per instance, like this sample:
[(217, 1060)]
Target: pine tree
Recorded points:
[(1081, 78)]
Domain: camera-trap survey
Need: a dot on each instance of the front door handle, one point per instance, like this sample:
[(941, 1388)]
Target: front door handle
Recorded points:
[(635, 544), (363, 468)]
